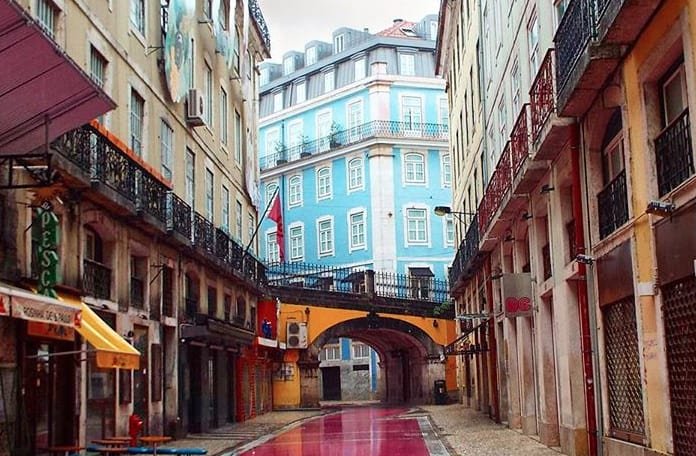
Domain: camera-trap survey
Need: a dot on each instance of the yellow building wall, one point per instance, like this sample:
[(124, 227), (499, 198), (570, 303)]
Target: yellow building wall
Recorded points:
[(656, 384), (286, 391)]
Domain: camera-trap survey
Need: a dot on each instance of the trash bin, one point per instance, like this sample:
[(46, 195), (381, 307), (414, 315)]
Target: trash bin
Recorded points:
[(440, 392)]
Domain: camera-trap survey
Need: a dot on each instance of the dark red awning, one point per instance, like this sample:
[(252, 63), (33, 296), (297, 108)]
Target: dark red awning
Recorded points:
[(39, 83)]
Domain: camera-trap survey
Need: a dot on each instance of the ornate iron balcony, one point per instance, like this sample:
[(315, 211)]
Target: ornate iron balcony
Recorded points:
[(467, 252), (497, 188), (255, 11), (673, 153), (358, 134), (572, 36), (543, 95), (612, 205), (178, 216), (203, 233), (96, 279)]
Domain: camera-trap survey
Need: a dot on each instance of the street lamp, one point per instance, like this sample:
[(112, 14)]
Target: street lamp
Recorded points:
[(441, 211)]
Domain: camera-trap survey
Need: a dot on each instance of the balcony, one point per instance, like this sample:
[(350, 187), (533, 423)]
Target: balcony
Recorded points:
[(178, 217), (590, 42), (96, 280), (612, 205), (467, 254), (674, 155), (549, 132), (137, 293), (497, 189), (526, 172), (367, 131), (203, 234), (255, 13)]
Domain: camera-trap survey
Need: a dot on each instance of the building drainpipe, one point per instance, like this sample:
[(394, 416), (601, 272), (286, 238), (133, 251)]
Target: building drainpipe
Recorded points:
[(492, 345), (583, 307)]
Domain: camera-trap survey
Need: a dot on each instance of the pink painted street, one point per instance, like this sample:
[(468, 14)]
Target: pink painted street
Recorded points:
[(359, 431)]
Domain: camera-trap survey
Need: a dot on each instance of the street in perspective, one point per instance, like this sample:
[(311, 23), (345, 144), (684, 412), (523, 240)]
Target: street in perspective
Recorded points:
[(403, 227)]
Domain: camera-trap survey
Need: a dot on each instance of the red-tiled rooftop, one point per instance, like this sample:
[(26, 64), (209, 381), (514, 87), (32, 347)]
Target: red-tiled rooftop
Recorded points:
[(400, 29)]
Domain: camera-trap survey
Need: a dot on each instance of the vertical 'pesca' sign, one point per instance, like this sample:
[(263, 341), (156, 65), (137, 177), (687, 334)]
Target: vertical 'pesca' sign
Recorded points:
[(47, 249)]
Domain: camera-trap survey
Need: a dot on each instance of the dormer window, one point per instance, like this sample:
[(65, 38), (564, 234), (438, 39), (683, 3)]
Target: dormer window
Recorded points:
[(339, 44), (433, 30), (288, 65), (311, 56), (408, 31)]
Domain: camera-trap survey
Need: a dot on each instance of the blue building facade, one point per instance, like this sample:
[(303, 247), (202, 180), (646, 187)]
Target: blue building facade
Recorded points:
[(354, 138)]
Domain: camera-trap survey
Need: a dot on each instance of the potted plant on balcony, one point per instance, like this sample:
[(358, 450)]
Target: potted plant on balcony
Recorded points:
[(280, 153), (304, 146), (333, 135)]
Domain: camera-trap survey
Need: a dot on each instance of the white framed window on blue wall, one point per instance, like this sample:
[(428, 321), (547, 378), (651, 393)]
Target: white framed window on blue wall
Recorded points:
[(412, 114), (359, 67), (325, 236), (414, 168), (324, 183), (357, 230), (272, 140), (295, 191), (407, 64), (272, 251), (355, 120), (324, 121), (271, 188), (311, 56), (356, 174), (446, 164), (444, 111), (300, 92), (449, 230), (328, 81), (296, 242), (416, 226)]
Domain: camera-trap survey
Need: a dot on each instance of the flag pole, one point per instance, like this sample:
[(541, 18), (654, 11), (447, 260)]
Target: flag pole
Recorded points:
[(261, 219)]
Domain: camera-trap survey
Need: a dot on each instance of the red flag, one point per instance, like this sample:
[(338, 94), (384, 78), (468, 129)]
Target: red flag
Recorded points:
[(276, 215)]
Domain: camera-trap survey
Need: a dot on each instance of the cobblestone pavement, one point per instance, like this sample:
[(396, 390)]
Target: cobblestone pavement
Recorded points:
[(233, 435), (469, 433)]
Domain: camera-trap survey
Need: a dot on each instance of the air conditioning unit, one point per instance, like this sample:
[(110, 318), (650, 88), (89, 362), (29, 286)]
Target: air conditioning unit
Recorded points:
[(297, 334), (194, 107)]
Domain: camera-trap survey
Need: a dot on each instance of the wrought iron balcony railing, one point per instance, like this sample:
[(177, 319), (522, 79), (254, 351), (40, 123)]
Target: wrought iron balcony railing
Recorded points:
[(519, 142), (255, 11), (96, 279), (573, 35), (369, 130), (612, 205), (178, 216), (467, 251), (404, 286), (542, 96), (497, 188), (203, 233), (137, 293), (674, 155)]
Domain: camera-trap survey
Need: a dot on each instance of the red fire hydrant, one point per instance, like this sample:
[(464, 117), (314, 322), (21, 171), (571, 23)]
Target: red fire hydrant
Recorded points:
[(135, 425)]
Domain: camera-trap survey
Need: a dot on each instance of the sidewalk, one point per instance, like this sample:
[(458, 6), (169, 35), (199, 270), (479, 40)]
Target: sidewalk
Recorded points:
[(469, 433), (234, 435)]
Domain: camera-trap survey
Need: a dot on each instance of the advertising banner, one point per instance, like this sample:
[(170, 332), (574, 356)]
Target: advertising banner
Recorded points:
[(36, 310), (518, 300)]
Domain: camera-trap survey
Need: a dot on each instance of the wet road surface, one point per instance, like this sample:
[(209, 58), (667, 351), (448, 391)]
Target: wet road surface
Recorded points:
[(374, 431)]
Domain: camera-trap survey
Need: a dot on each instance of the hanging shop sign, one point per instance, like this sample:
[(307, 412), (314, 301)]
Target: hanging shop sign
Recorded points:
[(518, 300), (47, 249), (46, 312), (50, 331)]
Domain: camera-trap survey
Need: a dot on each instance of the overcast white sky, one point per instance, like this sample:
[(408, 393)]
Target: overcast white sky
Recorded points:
[(292, 23)]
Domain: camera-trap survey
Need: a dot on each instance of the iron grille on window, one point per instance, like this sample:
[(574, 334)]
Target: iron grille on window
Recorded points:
[(168, 291), (679, 311), (612, 205), (626, 419), (674, 156)]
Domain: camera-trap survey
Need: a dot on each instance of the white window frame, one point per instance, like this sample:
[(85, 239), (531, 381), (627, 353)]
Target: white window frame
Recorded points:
[(325, 227), (251, 220), (533, 45), (358, 350), (295, 136), (324, 129), (407, 63), (295, 194), (448, 228), (502, 121), (446, 169), (357, 228), (331, 349), (311, 56), (238, 137), (210, 194), (190, 178), (355, 116), (138, 16), (224, 119), (225, 209), (272, 138), (515, 82), (97, 64), (296, 236), (270, 190), (411, 216), (444, 111), (324, 183), (208, 91), (278, 101), (356, 174), (238, 220), (300, 92), (166, 149), (329, 81), (47, 16), (408, 111), (359, 69), (288, 65), (272, 248), (339, 43), (410, 176), (137, 122)]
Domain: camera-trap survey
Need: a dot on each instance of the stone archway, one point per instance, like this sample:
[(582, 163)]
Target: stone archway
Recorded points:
[(410, 360)]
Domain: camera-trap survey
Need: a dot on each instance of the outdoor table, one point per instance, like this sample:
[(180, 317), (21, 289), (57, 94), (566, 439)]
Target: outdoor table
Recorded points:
[(109, 443), (122, 439), (64, 449), (155, 440)]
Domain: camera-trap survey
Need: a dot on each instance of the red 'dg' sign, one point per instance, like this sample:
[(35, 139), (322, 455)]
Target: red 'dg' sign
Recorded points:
[(518, 300)]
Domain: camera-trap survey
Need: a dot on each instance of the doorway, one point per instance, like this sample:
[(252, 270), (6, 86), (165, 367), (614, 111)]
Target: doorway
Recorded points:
[(331, 383)]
